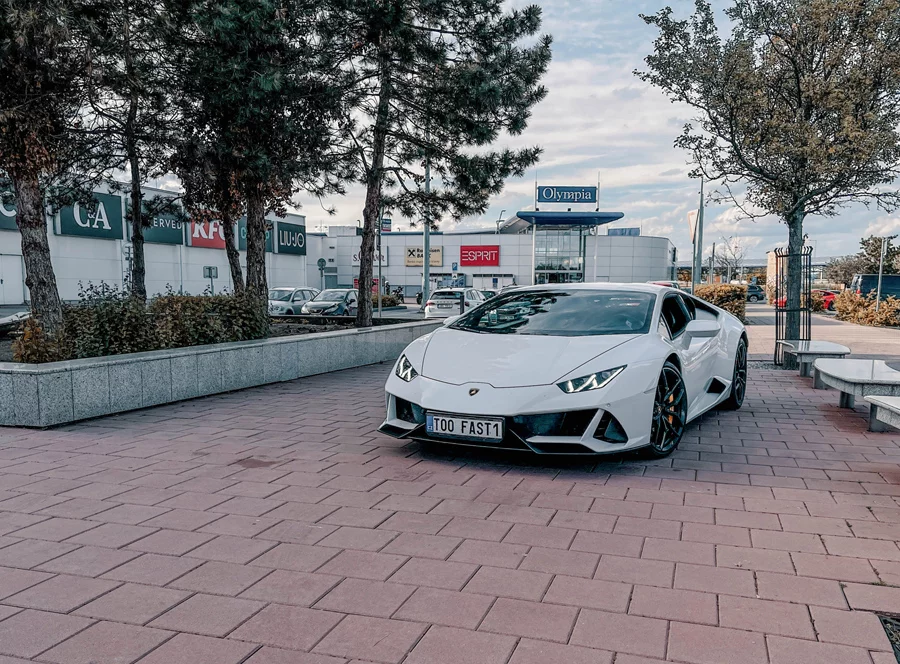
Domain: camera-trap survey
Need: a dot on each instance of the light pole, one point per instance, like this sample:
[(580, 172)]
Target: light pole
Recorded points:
[(426, 237), (499, 221), (880, 272), (697, 268)]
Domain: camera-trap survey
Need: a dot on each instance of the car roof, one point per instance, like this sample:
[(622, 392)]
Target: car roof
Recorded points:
[(636, 287), (451, 290)]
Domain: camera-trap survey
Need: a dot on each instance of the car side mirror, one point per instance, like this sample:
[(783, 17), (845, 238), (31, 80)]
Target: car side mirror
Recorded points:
[(701, 329), (449, 320)]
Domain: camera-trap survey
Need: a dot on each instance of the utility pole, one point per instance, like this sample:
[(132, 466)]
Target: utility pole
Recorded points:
[(378, 257), (697, 267), (426, 237), (880, 272)]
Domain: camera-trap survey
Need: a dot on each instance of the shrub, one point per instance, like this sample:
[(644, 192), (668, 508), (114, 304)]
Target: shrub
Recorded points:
[(106, 321), (730, 297), (386, 300), (817, 302), (861, 309)]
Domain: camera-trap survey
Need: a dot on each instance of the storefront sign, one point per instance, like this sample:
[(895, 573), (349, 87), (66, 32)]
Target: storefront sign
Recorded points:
[(476, 255), (165, 229), (551, 194), (374, 284), (385, 225), (242, 236), (291, 238), (415, 257), (354, 260), (103, 221), (208, 234), (633, 232), (7, 216)]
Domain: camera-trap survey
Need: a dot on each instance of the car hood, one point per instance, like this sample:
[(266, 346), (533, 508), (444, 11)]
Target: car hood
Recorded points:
[(510, 360), (323, 304)]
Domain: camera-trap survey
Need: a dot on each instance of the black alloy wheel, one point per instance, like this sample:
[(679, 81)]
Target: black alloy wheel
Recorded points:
[(669, 412), (739, 381)]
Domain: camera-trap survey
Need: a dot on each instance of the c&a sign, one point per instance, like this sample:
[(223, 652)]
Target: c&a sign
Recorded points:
[(477, 255), (103, 219)]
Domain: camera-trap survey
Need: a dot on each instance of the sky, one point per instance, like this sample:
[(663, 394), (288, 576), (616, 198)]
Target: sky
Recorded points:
[(598, 119)]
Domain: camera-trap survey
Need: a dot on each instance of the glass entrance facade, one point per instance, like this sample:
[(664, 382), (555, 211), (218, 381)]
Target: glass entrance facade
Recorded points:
[(559, 254)]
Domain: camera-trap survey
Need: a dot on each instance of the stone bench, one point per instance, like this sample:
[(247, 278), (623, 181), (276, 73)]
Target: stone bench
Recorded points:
[(807, 352), (884, 413), (859, 378)]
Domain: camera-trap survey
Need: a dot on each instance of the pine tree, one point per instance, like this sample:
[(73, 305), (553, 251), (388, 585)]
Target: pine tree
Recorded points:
[(437, 81), (47, 152), (264, 93), (128, 90)]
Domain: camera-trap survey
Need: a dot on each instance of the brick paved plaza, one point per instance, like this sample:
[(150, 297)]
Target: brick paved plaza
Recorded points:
[(274, 526)]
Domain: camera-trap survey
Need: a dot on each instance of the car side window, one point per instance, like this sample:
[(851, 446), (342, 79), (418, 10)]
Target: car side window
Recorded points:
[(675, 315), (664, 329), (690, 306)]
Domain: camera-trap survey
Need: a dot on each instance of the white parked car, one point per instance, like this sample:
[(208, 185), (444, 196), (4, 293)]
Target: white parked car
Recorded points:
[(445, 302), (570, 369), (289, 301)]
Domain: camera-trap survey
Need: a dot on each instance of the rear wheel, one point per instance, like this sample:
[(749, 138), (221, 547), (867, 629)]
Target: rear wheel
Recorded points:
[(753, 298), (669, 412), (739, 381)]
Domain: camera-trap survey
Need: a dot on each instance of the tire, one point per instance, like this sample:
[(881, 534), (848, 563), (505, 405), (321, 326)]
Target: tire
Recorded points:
[(289, 312), (753, 299), (669, 416), (831, 306), (738, 380)]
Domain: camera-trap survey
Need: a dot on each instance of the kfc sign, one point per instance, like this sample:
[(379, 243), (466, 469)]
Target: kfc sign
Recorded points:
[(477, 255), (207, 234)]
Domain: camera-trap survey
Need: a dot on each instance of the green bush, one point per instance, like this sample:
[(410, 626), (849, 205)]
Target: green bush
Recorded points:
[(107, 321), (386, 300), (730, 297)]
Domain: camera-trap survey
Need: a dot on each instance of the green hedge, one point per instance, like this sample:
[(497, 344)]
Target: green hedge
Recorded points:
[(106, 321), (730, 297)]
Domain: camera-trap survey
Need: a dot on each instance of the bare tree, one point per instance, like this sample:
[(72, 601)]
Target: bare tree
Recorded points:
[(730, 257)]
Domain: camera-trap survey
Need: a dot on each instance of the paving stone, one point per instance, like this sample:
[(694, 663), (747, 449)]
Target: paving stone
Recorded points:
[(700, 644), (367, 598), (111, 535), (636, 570), (668, 604), (153, 569), (520, 618), (621, 633), (364, 539), (29, 632), (291, 627), (287, 587), (530, 651), (268, 655), (106, 642), (207, 614), (228, 549), (796, 651), (133, 603), (801, 590), (715, 579), (499, 582), (61, 594), (554, 561), (603, 595), (363, 565), (191, 649), (28, 553), (758, 615), (220, 578), (445, 607), (851, 628), (89, 561), (435, 573), (170, 542), (447, 645), (13, 581), (872, 598), (423, 546), (374, 639)]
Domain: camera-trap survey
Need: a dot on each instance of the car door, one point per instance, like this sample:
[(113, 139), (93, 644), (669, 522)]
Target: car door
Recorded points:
[(352, 302), (710, 355), (676, 316)]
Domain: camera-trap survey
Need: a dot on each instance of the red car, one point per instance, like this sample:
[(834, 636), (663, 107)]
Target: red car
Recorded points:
[(827, 299)]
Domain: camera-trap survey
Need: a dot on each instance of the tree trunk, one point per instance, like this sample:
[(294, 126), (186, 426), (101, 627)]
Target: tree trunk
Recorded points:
[(256, 243), (138, 264), (372, 209), (794, 281), (234, 257), (39, 275)]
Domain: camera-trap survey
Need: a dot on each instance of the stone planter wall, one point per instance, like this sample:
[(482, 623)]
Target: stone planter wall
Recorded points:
[(42, 395)]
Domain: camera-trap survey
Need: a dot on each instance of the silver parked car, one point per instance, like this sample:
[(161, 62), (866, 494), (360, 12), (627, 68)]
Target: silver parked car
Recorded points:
[(289, 301)]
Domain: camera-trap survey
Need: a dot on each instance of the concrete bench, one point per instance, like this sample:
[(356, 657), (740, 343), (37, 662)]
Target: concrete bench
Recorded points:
[(884, 413), (859, 378), (807, 352)]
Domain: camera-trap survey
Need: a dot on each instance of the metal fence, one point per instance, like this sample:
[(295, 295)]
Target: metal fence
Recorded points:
[(782, 278)]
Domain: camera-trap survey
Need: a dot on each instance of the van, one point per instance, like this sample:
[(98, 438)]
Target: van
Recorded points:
[(864, 284)]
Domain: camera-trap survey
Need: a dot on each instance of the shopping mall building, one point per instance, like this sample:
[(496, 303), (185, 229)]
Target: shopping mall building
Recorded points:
[(533, 246)]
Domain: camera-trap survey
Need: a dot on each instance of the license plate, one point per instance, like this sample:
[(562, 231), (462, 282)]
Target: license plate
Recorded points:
[(444, 306), (464, 427)]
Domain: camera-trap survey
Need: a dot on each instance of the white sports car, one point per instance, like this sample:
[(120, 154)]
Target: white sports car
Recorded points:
[(570, 369)]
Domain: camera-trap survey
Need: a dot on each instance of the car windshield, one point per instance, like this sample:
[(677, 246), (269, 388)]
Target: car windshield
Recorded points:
[(330, 295), (446, 295), (281, 294), (563, 313)]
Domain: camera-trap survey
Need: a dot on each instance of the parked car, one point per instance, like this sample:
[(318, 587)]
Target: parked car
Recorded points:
[(670, 284), (827, 298), (865, 284), (565, 369), (445, 302), (488, 294), (755, 293), (289, 301), (333, 302)]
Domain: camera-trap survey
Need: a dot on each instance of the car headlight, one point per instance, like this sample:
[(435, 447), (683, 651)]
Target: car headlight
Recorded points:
[(304, 309), (592, 381), (405, 370)]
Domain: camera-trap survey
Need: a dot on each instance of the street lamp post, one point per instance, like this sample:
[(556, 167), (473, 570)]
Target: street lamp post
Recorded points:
[(880, 272)]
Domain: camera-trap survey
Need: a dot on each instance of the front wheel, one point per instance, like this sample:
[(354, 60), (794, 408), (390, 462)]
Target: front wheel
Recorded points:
[(739, 380), (753, 299), (669, 413)]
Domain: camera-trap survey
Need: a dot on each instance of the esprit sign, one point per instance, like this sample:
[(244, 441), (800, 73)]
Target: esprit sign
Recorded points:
[(103, 219), (207, 234), (475, 255), (551, 194), (291, 238), (415, 257)]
